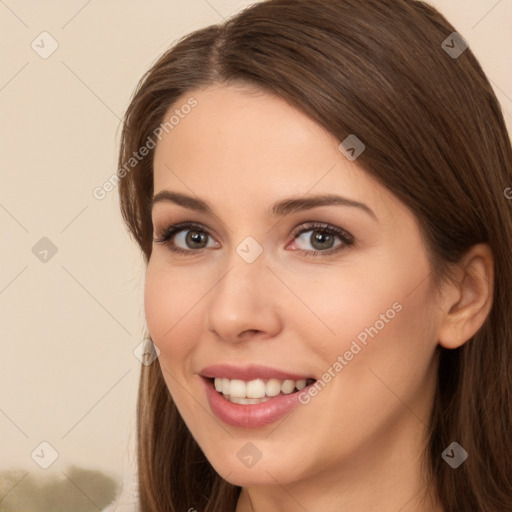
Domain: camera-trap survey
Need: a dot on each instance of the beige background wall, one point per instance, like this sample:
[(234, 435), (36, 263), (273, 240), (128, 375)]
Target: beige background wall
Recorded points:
[(69, 324)]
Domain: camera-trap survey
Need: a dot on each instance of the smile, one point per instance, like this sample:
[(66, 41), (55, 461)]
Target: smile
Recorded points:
[(258, 390), (249, 413)]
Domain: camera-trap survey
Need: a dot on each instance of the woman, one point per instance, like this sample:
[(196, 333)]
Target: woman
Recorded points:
[(318, 191)]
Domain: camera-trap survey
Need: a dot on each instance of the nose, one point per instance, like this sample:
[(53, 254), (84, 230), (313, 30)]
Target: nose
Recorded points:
[(245, 302)]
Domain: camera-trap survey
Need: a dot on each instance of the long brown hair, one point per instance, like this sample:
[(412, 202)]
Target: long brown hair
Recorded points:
[(434, 136)]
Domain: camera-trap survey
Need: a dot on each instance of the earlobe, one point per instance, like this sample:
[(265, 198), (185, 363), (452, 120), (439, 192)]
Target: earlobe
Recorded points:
[(468, 300)]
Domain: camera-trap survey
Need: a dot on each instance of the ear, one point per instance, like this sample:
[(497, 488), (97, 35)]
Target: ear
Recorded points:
[(467, 300)]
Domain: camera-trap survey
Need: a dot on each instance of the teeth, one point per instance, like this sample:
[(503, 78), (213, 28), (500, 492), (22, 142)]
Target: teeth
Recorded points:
[(300, 384), (238, 388), (247, 401), (273, 387), (287, 386), (257, 389)]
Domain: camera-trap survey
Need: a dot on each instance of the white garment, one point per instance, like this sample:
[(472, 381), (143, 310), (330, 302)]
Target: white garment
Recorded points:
[(127, 500)]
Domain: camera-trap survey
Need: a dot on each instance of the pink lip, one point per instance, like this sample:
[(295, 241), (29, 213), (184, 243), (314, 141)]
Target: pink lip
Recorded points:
[(248, 373), (250, 416)]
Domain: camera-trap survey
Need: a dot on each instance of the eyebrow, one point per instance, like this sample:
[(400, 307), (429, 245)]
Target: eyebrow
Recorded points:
[(279, 209)]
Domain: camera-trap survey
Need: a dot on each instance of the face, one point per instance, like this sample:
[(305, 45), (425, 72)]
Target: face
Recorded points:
[(272, 282)]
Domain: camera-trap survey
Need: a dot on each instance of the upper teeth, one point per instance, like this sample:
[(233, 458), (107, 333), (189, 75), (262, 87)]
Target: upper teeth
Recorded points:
[(257, 388)]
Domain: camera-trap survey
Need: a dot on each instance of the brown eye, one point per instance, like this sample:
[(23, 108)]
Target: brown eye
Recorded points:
[(322, 238), (186, 238), (193, 239)]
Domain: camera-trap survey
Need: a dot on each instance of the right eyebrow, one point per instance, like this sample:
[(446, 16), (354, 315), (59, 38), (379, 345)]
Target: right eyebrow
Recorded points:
[(181, 200), (281, 208)]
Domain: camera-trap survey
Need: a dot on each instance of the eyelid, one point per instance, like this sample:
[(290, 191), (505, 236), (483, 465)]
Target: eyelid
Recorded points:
[(347, 240), (343, 234), (165, 235)]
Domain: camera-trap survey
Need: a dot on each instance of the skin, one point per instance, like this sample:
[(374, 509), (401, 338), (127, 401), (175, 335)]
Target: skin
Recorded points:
[(357, 445)]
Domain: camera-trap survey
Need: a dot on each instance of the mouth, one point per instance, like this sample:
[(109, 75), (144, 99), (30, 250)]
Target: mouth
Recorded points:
[(256, 391), (255, 395)]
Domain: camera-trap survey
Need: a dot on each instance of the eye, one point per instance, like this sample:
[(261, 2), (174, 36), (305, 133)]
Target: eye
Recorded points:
[(192, 238), (186, 237), (323, 238)]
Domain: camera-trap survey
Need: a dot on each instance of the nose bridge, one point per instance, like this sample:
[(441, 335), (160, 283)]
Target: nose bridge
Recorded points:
[(244, 282), (243, 298), (246, 264)]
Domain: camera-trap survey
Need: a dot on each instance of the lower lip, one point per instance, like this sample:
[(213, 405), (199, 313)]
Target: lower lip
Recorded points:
[(251, 415)]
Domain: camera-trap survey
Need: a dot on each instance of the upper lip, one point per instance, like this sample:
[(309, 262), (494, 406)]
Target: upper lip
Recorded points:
[(248, 373)]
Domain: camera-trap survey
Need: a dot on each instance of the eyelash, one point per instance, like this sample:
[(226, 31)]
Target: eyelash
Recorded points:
[(164, 237)]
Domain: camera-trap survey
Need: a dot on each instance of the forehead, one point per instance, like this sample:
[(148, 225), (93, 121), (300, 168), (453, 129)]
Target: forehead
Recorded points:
[(247, 141), (249, 123)]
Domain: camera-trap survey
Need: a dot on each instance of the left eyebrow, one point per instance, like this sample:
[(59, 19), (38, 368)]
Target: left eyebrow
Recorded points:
[(298, 204), (279, 209)]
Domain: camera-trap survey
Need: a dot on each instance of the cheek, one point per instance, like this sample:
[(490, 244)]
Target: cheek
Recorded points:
[(172, 308), (386, 340), (381, 320), (349, 306), (378, 294), (169, 305)]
